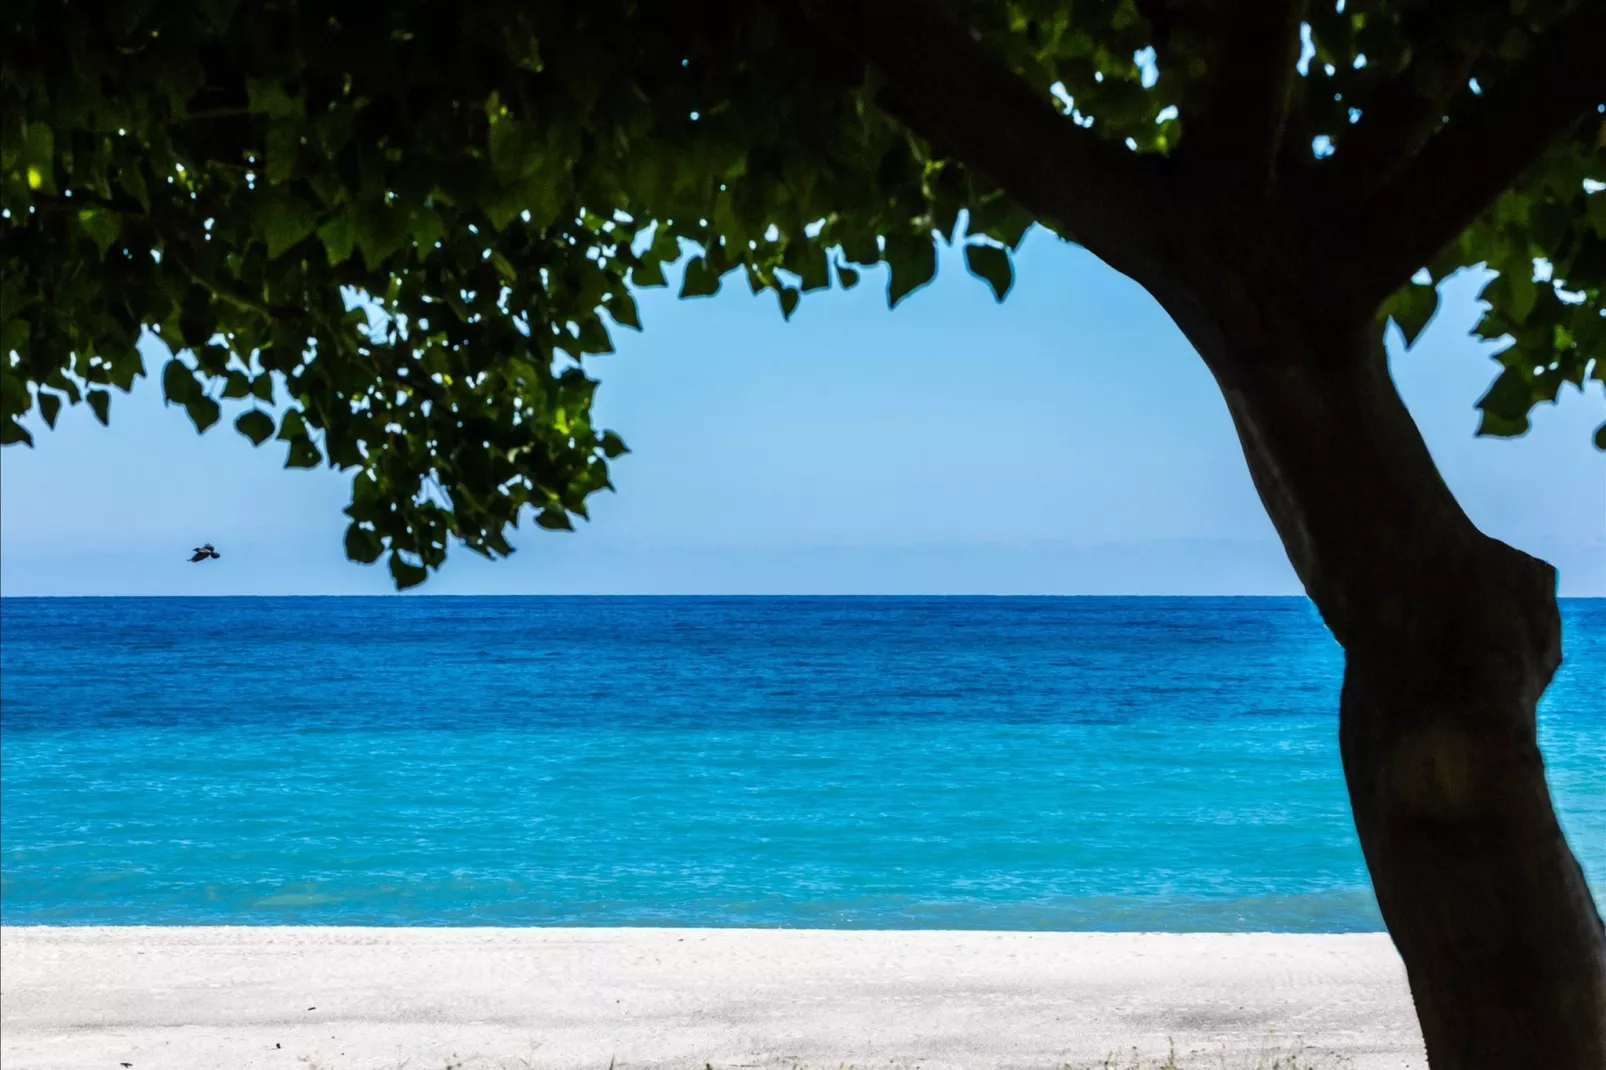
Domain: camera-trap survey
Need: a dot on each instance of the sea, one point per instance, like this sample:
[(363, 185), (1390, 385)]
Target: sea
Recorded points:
[(883, 763)]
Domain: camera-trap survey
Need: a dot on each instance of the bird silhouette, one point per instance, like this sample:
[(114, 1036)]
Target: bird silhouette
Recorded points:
[(203, 552)]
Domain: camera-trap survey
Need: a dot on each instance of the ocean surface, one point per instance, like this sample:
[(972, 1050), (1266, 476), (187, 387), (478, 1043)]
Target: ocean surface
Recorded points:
[(861, 763)]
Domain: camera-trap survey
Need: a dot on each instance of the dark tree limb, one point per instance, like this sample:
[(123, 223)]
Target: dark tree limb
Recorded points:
[(1161, 20), (1394, 125), (1465, 166), (1450, 637), (1295, 159), (1234, 133), (948, 88)]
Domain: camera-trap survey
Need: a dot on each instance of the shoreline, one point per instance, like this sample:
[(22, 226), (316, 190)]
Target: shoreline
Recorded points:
[(251, 997)]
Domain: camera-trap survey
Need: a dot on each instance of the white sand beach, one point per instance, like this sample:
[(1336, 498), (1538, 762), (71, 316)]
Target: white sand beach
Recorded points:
[(427, 999)]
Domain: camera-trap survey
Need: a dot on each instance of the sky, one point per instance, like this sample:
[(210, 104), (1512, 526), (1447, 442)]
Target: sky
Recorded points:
[(1068, 441)]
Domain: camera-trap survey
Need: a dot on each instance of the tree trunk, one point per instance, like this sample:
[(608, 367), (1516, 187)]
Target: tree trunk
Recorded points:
[(1450, 637)]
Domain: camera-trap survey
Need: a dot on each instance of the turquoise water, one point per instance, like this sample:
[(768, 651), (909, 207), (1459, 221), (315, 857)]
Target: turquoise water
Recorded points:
[(887, 763)]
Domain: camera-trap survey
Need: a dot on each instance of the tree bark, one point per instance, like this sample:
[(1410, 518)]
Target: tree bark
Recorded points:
[(1450, 638)]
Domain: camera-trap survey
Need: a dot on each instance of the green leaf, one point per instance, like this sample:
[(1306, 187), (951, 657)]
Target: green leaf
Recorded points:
[(426, 228), (335, 128), (101, 225), (1122, 103), (292, 426), (178, 383), (204, 412), (404, 574), (806, 259), (267, 96), (338, 235), (255, 425), (284, 222), (991, 263), (861, 249), (303, 454), (1600, 437), (213, 360), (363, 545), (49, 407), (1513, 295), (622, 307), (12, 432), (1411, 307), (1504, 408), (648, 273), (848, 277), (913, 262), (132, 180), (514, 149), (517, 200), (262, 387), (38, 157), (283, 145), (100, 401), (701, 279), (789, 299), (1001, 219), (380, 232), (554, 518), (14, 335), (328, 185), (593, 336), (236, 385), (1524, 292)]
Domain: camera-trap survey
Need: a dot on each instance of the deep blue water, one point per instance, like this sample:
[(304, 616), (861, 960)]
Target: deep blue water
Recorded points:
[(885, 763)]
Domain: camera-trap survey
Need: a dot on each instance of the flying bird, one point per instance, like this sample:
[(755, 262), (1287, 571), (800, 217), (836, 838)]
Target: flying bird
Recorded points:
[(203, 552)]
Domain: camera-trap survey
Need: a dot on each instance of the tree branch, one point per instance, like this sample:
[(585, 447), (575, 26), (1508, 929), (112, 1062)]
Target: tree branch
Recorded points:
[(1394, 125), (1161, 20), (1234, 133), (226, 293), (1486, 148), (948, 88)]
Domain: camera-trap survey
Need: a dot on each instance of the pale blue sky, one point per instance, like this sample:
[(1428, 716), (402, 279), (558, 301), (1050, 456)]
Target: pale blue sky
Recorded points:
[(1067, 441)]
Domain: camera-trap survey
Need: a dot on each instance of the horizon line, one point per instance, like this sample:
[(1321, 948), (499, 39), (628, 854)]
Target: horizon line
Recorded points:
[(727, 596)]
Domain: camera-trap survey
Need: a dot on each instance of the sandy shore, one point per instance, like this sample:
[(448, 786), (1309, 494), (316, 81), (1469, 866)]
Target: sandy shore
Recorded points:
[(426, 999)]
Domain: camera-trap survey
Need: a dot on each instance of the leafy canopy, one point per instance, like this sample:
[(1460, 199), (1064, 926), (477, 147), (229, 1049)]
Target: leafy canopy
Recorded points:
[(390, 235)]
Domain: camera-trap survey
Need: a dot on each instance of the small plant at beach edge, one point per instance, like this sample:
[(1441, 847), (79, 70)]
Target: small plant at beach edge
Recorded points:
[(1280, 1057)]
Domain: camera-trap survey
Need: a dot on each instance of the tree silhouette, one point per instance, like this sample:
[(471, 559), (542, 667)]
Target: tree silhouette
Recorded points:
[(1284, 177)]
